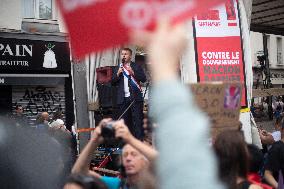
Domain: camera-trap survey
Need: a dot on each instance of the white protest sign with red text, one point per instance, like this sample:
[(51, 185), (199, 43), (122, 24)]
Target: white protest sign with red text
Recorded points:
[(219, 47), (95, 25)]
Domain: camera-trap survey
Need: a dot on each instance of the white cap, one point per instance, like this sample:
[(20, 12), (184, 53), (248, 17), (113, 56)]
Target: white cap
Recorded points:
[(57, 123)]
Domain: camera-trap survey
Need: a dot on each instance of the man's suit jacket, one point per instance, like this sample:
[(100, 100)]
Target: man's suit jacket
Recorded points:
[(139, 75)]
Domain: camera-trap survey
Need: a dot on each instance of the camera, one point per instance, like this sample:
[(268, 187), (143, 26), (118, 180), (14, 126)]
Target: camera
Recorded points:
[(108, 131)]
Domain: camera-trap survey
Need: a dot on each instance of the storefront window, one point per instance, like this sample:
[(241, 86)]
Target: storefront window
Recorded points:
[(41, 9), (28, 9), (279, 51), (45, 9)]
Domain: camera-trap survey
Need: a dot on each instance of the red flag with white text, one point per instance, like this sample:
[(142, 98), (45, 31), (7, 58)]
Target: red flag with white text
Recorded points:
[(95, 25)]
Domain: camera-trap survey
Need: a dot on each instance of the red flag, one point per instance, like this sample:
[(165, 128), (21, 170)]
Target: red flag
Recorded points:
[(95, 25)]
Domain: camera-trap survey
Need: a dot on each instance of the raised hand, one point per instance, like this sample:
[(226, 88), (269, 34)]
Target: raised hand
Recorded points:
[(119, 71), (122, 131), (96, 134)]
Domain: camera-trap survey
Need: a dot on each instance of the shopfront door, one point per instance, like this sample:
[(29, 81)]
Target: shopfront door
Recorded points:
[(5, 99)]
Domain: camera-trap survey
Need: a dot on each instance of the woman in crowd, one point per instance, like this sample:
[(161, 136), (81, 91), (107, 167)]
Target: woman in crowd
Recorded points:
[(232, 154)]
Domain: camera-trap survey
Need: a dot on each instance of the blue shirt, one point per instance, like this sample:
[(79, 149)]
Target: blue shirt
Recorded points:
[(111, 182)]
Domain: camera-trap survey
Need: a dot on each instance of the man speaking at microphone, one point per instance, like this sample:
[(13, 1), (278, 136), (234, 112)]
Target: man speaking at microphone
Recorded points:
[(127, 77)]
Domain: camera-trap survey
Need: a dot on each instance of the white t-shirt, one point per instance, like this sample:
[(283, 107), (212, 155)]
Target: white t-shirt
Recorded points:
[(276, 136), (126, 87), (265, 107)]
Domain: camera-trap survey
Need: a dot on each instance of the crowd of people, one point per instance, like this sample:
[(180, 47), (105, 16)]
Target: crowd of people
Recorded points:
[(260, 110), (44, 121), (182, 157)]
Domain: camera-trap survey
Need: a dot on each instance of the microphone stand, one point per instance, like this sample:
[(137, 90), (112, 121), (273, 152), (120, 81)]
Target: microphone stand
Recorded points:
[(126, 109)]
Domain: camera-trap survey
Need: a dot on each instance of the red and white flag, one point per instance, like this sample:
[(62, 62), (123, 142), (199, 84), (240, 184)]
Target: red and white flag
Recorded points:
[(95, 25)]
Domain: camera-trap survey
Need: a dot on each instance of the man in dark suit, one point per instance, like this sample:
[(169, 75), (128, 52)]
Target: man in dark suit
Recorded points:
[(127, 77)]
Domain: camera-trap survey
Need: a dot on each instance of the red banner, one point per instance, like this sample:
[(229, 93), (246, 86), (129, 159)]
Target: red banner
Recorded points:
[(219, 47), (95, 25)]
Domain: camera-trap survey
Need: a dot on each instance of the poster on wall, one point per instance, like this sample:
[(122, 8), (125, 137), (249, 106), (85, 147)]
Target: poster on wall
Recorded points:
[(218, 46)]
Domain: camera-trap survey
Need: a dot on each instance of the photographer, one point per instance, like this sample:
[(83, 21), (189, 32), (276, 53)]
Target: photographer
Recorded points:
[(135, 155)]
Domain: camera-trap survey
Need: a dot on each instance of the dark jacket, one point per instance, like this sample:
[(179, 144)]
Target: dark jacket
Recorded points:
[(119, 82), (20, 120)]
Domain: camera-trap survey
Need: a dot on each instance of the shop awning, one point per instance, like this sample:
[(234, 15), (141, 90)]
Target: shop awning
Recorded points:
[(268, 16)]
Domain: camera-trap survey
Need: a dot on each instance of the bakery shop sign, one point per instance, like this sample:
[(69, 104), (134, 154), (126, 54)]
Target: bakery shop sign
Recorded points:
[(21, 54), (16, 50)]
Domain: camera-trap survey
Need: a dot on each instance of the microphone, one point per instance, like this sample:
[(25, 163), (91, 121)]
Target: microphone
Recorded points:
[(123, 60)]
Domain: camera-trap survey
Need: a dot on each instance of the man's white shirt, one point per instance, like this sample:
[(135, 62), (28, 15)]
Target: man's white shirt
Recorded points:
[(126, 87)]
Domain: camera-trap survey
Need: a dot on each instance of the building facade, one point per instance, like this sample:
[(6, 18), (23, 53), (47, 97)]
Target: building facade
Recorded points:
[(275, 46), (35, 66)]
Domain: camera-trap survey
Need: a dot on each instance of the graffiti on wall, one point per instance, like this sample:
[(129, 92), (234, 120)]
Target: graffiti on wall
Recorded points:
[(40, 99)]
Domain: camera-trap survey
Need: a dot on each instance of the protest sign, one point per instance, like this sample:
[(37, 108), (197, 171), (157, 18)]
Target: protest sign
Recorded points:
[(221, 102), (95, 25), (219, 46)]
